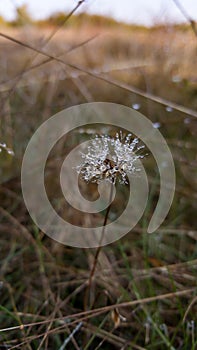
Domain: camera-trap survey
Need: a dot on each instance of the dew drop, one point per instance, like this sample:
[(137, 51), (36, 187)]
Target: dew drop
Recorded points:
[(10, 152), (3, 145), (136, 106), (176, 79), (169, 109), (187, 121), (156, 125)]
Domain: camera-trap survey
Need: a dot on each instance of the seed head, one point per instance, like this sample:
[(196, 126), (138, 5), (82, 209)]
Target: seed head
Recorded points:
[(110, 159)]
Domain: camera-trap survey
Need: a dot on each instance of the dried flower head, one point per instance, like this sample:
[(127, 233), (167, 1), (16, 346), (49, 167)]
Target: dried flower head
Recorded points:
[(110, 159)]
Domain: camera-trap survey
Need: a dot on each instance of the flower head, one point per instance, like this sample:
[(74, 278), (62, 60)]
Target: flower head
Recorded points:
[(110, 159)]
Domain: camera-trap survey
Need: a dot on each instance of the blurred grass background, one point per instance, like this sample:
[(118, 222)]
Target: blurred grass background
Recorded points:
[(43, 283)]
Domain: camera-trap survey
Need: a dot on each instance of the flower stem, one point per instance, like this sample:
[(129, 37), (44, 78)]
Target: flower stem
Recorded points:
[(92, 272)]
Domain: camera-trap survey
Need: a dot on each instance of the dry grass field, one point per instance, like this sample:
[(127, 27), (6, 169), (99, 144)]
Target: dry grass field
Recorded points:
[(143, 292)]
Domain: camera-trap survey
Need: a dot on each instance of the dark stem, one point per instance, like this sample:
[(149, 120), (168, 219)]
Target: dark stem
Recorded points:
[(89, 284)]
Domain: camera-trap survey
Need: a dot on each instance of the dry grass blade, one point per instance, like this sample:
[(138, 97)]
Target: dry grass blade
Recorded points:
[(5, 85), (111, 338), (28, 63), (126, 87), (84, 315), (189, 308), (185, 14), (27, 235), (80, 2)]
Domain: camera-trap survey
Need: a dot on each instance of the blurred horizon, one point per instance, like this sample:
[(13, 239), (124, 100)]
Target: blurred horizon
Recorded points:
[(142, 12)]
